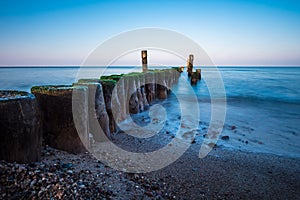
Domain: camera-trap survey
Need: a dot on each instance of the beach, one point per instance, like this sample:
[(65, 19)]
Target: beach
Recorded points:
[(256, 155), (145, 100), (223, 174)]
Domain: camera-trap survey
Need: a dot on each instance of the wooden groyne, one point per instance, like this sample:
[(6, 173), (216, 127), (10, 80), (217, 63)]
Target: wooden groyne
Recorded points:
[(48, 114)]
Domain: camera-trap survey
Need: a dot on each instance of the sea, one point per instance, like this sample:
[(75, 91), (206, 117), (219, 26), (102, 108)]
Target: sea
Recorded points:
[(262, 103)]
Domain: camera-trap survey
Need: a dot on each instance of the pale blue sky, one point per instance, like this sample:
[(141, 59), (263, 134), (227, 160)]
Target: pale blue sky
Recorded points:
[(64, 32)]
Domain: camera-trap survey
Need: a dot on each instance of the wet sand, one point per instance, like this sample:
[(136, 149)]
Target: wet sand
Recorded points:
[(223, 174)]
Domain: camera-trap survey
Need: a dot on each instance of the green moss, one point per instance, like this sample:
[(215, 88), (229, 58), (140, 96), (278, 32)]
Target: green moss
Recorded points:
[(85, 84), (108, 81), (45, 88), (116, 77), (104, 77), (89, 80)]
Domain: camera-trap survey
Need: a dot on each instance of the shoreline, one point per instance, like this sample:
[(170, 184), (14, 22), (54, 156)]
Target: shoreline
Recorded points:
[(226, 173), (223, 174)]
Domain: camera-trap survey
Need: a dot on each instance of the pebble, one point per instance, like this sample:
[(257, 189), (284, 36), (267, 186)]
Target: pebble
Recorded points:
[(54, 179), (225, 137)]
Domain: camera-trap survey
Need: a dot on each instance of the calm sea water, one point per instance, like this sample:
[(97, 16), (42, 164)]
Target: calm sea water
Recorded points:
[(263, 103)]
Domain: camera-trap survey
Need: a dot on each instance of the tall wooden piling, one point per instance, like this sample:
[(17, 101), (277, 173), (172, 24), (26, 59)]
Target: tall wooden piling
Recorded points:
[(189, 66), (144, 61)]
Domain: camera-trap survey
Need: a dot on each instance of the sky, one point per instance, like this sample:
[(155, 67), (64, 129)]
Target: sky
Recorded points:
[(64, 32)]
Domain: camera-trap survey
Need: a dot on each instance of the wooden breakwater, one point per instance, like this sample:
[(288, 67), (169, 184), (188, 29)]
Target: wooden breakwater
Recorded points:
[(70, 117), (48, 113)]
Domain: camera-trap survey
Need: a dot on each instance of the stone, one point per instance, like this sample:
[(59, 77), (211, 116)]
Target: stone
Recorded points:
[(20, 127), (225, 137)]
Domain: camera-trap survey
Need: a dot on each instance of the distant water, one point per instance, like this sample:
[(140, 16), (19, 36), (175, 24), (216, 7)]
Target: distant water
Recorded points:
[(263, 103)]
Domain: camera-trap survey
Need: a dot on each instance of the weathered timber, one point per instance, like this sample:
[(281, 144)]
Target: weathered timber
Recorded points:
[(98, 117), (144, 61), (161, 85), (198, 71), (64, 128), (190, 62), (20, 127), (108, 86)]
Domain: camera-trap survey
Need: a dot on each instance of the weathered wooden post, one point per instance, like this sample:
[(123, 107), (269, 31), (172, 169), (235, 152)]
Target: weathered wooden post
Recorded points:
[(144, 61), (189, 66), (65, 126), (194, 78), (161, 86), (20, 127), (97, 115), (198, 71), (181, 69), (108, 86), (150, 86)]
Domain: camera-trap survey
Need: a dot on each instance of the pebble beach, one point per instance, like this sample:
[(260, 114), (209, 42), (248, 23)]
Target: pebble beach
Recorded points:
[(223, 174)]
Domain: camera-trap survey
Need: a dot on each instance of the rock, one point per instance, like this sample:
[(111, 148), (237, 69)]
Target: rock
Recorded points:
[(148, 193), (67, 165), (20, 127), (212, 145), (225, 137), (64, 116)]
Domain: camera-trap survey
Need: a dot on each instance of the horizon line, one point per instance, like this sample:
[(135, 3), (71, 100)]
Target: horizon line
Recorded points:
[(148, 66)]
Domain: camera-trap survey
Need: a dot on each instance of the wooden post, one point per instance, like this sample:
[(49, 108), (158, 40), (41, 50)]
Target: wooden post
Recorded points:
[(194, 78), (20, 127), (198, 71), (181, 69), (144, 61), (65, 126), (190, 64)]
